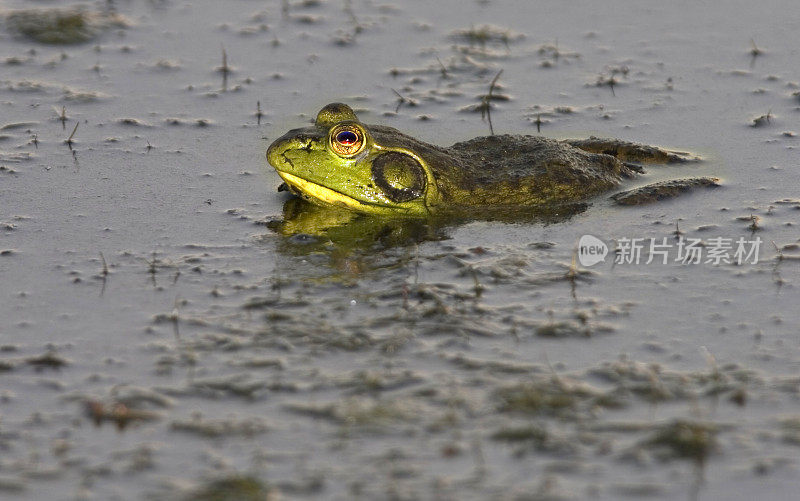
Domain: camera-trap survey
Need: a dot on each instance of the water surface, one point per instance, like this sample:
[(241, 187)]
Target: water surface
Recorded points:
[(158, 335)]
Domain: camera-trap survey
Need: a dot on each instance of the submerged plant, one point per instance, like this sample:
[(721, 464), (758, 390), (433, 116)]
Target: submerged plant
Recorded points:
[(684, 439), (233, 487), (554, 397), (60, 26)]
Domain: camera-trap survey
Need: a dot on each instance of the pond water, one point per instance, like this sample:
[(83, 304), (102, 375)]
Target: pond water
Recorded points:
[(175, 328)]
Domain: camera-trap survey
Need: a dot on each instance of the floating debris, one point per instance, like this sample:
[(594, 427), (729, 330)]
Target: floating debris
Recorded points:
[(220, 427), (16, 157), (755, 51), (762, 120), (133, 122), (117, 412), (19, 125), (49, 360), (81, 96)]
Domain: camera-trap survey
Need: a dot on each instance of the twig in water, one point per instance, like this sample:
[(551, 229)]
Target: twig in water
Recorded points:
[(779, 257), (573, 266), (174, 317), (103, 273), (754, 222), (478, 288), (443, 68), (69, 141), (754, 52), (678, 233), (486, 105), (63, 117), (401, 99), (151, 269), (259, 114), (348, 9), (225, 70), (611, 83)]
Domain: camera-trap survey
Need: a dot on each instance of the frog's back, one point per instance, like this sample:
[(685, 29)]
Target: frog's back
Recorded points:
[(524, 170)]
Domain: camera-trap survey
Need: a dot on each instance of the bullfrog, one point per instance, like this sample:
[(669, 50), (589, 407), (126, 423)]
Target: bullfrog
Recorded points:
[(378, 170)]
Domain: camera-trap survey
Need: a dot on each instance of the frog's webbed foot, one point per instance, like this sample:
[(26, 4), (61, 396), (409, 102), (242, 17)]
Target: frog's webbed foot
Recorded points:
[(632, 152), (661, 190)]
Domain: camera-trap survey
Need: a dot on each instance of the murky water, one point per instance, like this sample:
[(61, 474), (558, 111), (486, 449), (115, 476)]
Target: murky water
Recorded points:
[(161, 339)]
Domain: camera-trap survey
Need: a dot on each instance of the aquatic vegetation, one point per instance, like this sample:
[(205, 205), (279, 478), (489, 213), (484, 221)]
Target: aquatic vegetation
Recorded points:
[(790, 428), (485, 34), (535, 438), (212, 428), (61, 26), (652, 383), (553, 396), (16, 157), (532, 433), (684, 439), (563, 329), (361, 413), (233, 487), (47, 360)]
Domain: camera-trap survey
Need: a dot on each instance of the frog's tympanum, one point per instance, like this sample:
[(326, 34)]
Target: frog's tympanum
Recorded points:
[(378, 170)]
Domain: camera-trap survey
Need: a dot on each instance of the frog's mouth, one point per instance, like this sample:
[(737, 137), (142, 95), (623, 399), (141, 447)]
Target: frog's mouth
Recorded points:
[(321, 193)]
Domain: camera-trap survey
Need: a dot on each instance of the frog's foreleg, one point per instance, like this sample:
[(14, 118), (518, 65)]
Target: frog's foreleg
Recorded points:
[(662, 190)]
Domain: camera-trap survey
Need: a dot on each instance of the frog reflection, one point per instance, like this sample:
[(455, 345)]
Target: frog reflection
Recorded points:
[(312, 228)]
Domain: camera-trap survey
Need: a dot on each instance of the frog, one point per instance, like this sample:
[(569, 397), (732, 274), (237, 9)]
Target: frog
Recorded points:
[(381, 171)]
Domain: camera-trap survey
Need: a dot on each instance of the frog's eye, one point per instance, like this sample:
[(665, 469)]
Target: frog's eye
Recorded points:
[(400, 176), (347, 140)]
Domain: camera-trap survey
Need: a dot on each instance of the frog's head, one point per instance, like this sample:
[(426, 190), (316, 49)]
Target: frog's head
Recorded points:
[(339, 161)]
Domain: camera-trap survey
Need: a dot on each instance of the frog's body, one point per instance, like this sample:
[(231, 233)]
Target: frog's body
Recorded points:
[(379, 170)]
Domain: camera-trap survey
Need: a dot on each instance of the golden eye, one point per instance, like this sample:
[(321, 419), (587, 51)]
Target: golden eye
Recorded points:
[(399, 176), (347, 140)]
